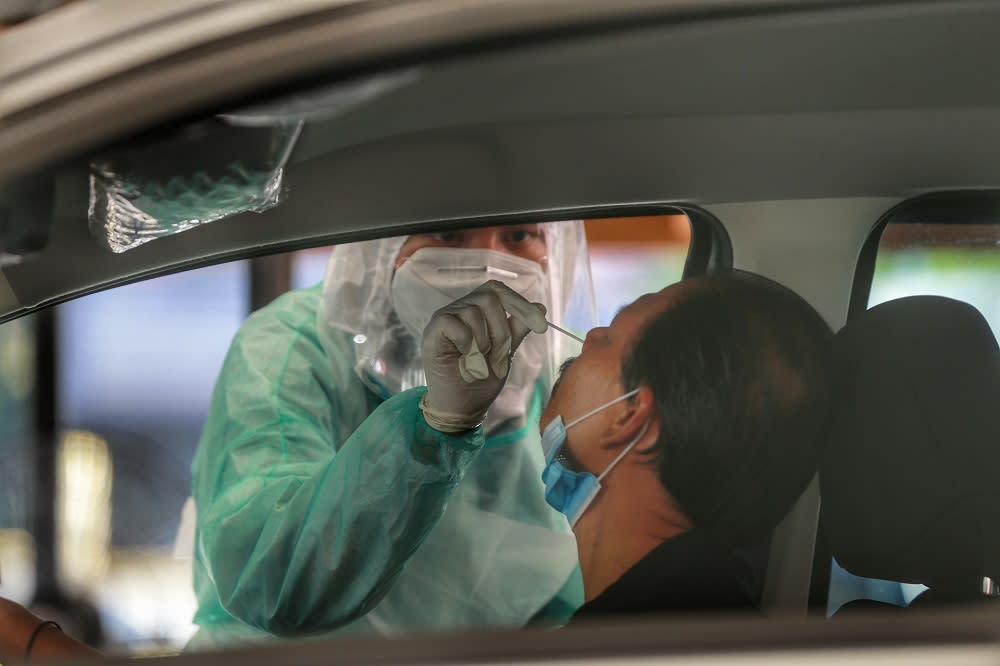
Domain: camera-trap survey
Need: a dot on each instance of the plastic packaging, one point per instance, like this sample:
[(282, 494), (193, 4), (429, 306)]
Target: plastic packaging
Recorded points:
[(206, 173)]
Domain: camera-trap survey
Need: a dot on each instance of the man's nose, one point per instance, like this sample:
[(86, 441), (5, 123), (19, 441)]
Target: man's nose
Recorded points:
[(594, 334)]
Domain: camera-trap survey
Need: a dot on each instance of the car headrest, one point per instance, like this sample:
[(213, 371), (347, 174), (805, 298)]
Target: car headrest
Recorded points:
[(909, 481)]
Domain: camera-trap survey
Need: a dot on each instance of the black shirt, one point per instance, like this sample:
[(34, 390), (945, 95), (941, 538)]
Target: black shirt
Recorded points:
[(686, 574)]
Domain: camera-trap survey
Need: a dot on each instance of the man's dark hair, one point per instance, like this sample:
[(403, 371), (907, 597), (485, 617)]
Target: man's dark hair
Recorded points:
[(740, 367)]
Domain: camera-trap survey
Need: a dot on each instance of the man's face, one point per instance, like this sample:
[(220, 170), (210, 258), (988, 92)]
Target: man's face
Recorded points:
[(595, 377), (521, 240)]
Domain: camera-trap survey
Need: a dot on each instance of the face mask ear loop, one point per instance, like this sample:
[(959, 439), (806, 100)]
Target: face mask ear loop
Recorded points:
[(624, 452), (597, 410)]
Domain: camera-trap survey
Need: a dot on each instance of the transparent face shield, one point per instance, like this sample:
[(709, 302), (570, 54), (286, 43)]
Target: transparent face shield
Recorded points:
[(382, 308)]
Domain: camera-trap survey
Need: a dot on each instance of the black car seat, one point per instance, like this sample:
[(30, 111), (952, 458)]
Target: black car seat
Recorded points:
[(910, 482)]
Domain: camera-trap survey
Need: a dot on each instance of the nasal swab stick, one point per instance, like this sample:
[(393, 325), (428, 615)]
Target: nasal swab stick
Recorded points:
[(564, 331)]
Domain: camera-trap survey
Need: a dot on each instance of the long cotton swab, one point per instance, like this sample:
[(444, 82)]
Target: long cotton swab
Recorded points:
[(564, 331)]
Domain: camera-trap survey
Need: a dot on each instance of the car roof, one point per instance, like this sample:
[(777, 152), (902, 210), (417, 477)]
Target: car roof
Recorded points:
[(93, 45)]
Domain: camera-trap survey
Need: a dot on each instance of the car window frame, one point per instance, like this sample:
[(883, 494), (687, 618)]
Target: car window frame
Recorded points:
[(710, 248), (945, 208)]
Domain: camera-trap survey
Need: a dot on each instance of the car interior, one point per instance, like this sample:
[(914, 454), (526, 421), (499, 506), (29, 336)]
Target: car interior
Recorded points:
[(844, 149)]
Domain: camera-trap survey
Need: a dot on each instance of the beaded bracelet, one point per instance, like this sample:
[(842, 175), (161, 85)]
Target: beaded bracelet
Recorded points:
[(35, 634)]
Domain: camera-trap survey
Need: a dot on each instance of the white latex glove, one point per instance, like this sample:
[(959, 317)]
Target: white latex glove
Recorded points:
[(467, 349)]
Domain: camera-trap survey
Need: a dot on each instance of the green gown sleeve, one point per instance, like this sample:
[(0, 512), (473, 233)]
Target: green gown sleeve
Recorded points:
[(301, 526)]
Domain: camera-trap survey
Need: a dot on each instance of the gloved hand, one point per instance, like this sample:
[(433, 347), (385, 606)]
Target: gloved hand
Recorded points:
[(467, 348)]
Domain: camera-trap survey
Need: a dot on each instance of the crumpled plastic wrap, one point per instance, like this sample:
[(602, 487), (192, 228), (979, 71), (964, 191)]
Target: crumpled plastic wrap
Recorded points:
[(232, 163), (153, 191)]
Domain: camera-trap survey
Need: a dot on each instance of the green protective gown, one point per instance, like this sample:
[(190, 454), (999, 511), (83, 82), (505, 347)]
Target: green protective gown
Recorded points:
[(321, 507)]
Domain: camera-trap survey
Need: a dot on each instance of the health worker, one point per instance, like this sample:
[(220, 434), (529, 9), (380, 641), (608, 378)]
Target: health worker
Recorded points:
[(326, 502)]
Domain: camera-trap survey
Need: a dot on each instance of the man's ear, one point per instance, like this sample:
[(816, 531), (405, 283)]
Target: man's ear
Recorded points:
[(637, 413)]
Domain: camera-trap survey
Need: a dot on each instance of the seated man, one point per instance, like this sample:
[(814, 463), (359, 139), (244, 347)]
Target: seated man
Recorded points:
[(682, 433)]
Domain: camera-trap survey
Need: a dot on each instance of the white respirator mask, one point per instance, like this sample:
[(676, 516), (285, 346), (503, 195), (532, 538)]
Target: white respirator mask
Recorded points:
[(433, 277)]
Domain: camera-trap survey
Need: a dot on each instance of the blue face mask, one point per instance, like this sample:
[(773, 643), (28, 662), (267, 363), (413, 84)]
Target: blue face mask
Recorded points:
[(567, 491)]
